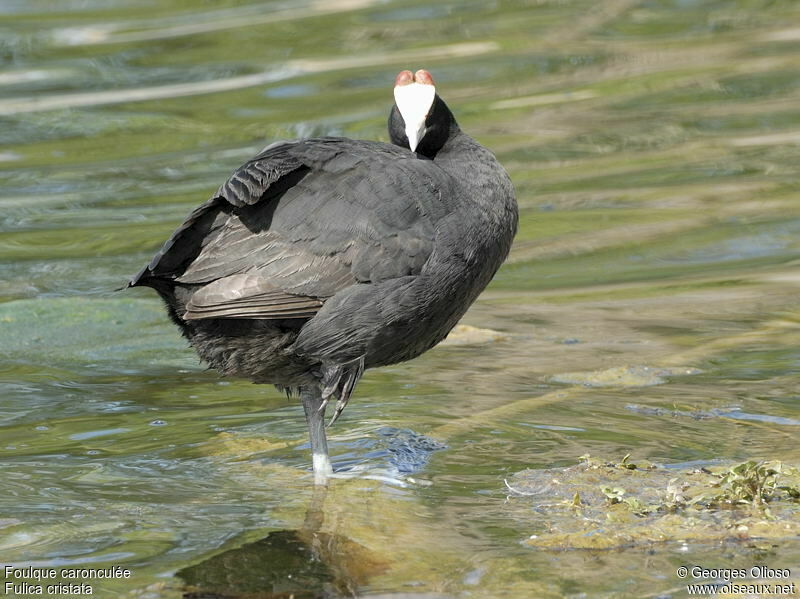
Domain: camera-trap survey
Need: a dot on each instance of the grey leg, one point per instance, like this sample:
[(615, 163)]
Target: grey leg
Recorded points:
[(311, 396)]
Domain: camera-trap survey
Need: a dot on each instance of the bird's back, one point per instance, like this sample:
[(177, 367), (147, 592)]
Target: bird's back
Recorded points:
[(330, 251)]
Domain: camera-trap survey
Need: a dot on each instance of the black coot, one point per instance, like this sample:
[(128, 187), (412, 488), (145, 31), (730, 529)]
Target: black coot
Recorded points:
[(321, 257)]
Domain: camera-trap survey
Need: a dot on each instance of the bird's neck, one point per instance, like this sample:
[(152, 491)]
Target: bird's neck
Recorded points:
[(473, 164), (461, 149)]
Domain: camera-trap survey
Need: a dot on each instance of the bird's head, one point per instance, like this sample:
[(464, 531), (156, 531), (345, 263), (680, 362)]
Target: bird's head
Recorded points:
[(420, 120)]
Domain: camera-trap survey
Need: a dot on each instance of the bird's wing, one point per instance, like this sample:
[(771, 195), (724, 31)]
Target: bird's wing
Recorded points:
[(207, 220), (248, 296), (301, 222)]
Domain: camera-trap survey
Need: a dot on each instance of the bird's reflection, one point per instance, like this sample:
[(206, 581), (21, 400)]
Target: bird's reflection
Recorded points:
[(301, 564)]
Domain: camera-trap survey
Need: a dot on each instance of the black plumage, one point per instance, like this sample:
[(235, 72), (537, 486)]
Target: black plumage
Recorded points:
[(321, 257)]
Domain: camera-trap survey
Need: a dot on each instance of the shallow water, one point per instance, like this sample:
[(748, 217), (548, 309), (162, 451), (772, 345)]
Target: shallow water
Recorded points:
[(649, 305)]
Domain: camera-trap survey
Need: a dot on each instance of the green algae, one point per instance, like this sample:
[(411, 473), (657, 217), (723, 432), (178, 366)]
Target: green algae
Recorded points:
[(89, 332)]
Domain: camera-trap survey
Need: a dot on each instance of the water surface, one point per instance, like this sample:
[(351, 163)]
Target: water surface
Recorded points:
[(654, 146)]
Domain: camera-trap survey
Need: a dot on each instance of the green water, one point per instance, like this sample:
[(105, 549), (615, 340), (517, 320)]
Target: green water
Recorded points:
[(654, 145)]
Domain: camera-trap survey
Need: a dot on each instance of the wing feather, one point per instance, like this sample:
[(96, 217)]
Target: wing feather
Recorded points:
[(300, 222)]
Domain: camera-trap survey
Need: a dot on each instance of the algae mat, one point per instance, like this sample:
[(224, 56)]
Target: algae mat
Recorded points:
[(91, 334), (603, 505)]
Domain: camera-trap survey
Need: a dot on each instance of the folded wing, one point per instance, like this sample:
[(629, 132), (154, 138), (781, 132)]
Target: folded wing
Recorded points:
[(300, 222)]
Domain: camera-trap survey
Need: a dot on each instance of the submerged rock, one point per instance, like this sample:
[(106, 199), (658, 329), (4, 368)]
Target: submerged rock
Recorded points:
[(622, 376), (464, 334)]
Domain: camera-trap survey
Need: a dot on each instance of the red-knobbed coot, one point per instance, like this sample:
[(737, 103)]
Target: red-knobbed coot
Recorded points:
[(322, 257)]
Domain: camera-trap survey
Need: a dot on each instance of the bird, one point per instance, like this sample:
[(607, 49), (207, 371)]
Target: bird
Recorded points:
[(322, 257)]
